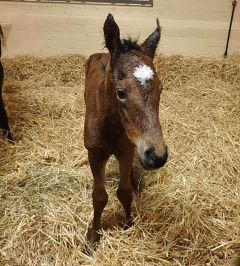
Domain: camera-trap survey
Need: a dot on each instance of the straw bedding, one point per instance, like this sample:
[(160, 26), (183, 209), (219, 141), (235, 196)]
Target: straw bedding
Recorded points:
[(187, 213)]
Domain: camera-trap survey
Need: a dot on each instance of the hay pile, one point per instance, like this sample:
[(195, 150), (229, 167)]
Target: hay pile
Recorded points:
[(187, 213)]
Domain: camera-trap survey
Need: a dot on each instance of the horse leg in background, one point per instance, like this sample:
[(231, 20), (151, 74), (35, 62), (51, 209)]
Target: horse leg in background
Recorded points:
[(126, 189), (3, 115), (4, 122), (100, 197)]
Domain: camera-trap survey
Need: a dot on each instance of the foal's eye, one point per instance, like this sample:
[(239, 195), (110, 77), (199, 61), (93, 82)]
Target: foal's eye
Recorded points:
[(121, 94)]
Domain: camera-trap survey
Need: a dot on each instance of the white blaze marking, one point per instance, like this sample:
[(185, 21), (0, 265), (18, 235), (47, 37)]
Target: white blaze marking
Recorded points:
[(143, 73)]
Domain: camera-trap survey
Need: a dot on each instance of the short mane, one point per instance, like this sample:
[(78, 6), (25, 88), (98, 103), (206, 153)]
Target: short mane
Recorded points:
[(130, 44)]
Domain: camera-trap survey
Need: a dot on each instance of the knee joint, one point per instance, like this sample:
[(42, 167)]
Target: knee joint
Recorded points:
[(125, 195), (100, 197)]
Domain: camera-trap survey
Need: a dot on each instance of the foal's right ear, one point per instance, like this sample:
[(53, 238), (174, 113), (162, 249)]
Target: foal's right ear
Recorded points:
[(112, 36)]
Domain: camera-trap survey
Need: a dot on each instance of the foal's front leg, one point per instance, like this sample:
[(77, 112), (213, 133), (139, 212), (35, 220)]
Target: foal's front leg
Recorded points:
[(100, 197), (126, 191)]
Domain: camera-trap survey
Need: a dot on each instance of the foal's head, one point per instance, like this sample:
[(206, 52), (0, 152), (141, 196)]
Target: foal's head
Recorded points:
[(137, 92)]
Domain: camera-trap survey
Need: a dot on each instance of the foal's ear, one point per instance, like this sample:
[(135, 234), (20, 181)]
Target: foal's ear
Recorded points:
[(151, 43), (112, 35)]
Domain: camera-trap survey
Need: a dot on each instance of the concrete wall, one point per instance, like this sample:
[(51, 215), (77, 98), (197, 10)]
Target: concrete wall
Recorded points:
[(189, 27)]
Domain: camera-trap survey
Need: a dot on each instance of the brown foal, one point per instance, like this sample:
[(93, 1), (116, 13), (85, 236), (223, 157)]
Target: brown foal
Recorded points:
[(122, 94)]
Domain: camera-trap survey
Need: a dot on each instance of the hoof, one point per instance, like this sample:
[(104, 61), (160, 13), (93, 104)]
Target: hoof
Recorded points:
[(8, 136), (10, 139), (87, 250), (92, 236), (128, 224), (92, 240)]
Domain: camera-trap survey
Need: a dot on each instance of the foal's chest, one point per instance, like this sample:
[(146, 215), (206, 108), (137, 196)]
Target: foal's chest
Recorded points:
[(111, 132)]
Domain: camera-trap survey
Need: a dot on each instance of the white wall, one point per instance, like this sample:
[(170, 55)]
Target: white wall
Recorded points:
[(189, 27)]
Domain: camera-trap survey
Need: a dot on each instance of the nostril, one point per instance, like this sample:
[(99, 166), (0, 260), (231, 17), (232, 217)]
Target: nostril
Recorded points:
[(149, 153), (152, 160)]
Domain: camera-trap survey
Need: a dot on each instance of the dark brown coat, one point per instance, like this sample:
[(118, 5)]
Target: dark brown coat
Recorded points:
[(3, 115)]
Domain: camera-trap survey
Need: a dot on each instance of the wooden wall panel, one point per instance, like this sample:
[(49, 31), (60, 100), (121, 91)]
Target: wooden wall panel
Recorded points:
[(188, 27)]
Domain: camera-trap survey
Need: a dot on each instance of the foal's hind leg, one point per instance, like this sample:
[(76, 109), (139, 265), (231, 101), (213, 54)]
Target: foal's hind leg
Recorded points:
[(100, 198), (126, 189)]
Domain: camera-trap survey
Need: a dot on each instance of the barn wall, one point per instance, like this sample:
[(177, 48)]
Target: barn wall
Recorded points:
[(189, 27)]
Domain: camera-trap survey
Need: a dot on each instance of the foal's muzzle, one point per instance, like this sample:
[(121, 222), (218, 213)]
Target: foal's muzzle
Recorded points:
[(152, 160)]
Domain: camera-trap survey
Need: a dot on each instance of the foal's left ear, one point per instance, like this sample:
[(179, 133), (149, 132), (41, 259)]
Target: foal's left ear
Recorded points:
[(151, 43)]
